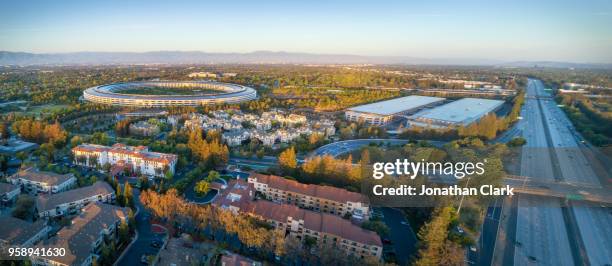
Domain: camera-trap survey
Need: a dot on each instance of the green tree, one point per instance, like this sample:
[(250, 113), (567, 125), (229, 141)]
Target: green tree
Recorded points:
[(202, 187), (212, 176), (377, 226), (124, 232)]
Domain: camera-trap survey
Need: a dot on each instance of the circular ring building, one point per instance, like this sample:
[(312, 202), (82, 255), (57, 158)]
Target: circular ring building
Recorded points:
[(224, 93)]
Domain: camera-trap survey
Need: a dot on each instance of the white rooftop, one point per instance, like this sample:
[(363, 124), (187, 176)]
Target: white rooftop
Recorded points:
[(396, 105), (463, 111)]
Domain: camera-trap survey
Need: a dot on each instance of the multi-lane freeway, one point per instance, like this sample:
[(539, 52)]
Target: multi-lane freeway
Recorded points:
[(546, 231)]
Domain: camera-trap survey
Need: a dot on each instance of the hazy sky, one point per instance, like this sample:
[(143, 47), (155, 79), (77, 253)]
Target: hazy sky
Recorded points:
[(578, 31)]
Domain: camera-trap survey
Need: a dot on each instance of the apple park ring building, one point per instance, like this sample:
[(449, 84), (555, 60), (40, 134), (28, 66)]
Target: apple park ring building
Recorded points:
[(169, 93)]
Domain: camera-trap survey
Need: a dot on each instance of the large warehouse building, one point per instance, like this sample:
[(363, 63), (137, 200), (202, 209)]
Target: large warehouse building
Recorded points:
[(225, 93), (457, 113), (381, 113)]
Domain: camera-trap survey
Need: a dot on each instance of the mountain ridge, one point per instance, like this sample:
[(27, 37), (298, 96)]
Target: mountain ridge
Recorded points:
[(256, 57)]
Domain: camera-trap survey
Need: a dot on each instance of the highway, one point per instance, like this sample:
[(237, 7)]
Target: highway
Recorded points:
[(546, 233)]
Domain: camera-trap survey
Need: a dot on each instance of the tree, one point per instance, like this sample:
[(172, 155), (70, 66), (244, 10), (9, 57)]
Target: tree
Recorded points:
[(23, 207), (127, 194), (202, 187), (75, 141), (377, 226), (119, 195), (124, 232), (278, 238), (212, 176), (434, 239), (131, 219), (288, 159), (169, 175), (517, 142)]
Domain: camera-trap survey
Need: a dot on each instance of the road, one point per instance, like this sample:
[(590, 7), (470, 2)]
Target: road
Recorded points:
[(142, 245), (403, 238), (546, 233), (341, 147), (489, 233)]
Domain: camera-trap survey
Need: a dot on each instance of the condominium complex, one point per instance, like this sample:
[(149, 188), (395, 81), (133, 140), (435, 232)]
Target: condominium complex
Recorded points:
[(33, 180), (83, 238), (70, 202), (19, 233), (138, 160), (382, 113), (326, 229), (319, 198)]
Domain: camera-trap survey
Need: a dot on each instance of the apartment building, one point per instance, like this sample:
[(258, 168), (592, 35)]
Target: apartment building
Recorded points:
[(83, 238), (71, 202), (138, 159), (33, 180), (8, 193), (327, 229), (315, 197), (19, 233)]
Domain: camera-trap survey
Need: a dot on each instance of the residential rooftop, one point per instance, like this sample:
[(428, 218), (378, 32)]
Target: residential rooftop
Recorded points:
[(234, 259), (132, 151), (240, 194), (324, 192), (6, 188), (397, 105), (463, 111), (315, 221), (78, 237), (16, 231), (14, 146), (50, 178), (48, 202)]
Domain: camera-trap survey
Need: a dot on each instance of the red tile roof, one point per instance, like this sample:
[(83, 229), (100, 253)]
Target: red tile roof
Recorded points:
[(315, 221), (324, 192), (137, 152)]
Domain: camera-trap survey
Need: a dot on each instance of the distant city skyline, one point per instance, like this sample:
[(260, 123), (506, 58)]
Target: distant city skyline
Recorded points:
[(571, 31)]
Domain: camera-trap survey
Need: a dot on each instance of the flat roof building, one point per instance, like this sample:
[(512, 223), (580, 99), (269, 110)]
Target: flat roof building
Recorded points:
[(458, 113), (381, 113)]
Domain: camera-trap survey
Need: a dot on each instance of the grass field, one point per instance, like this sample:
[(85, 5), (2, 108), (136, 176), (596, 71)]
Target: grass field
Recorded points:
[(167, 91), (47, 108)]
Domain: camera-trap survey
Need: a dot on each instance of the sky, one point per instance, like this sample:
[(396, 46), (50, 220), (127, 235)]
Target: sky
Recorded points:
[(510, 30)]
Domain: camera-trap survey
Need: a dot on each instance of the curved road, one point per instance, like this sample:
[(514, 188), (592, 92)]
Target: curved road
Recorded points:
[(341, 147)]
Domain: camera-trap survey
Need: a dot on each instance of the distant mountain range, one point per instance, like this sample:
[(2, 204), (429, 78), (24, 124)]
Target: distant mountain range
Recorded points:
[(258, 57)]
